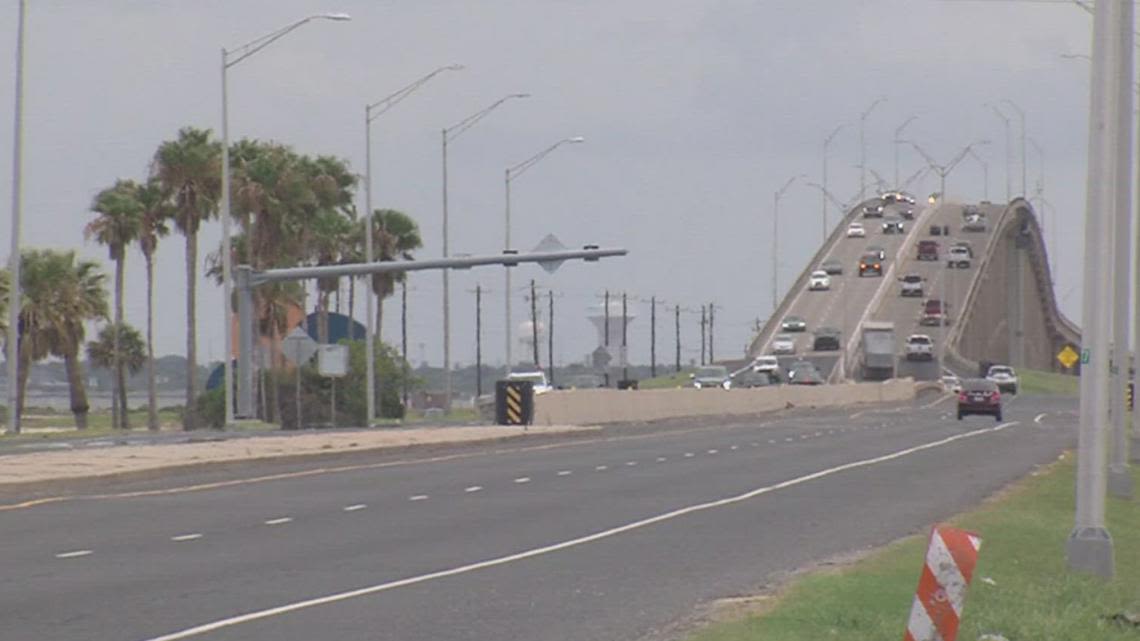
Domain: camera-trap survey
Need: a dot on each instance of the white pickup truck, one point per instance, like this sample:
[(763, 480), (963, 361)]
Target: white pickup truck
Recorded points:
[(919, 347)]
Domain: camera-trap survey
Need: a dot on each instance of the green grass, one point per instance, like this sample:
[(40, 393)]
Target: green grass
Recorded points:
[(1033, 598), (679, 379), (1047, 383)]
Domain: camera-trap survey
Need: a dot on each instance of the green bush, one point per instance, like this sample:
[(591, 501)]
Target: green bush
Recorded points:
[(211, 408)]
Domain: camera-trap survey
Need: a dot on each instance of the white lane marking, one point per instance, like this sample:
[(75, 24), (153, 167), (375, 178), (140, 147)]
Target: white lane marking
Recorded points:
[(771, 441), (601, 467), (418, 497), (631, 463), (1040, 417), (522, 479), (186, 537), (935, 401), (858, 414), (564, 472), (713, 451), (818, 434), (788, 439), (473, 488), (734, 447), (688, 455), (281, 521), (257, 615), (661, 459), (73, 555), (803, 436), (354, 508)]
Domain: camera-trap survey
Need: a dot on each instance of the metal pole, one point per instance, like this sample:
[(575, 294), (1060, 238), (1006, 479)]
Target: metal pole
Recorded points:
[(507, 270), (711, 334), (370, 296), (17, 216), (227, 291), (478, 340), (606, 333), (775, 250), (446, 291), (245, 340), (404, 339), (624, 337), (1089, 547), (863, 148), (677, 329), (1119, 476), (896, 140), (534, 323), (704, 324), (550, 339), (653, 337)]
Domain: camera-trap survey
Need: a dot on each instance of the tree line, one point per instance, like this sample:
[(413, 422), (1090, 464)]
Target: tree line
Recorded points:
[(290, 209)]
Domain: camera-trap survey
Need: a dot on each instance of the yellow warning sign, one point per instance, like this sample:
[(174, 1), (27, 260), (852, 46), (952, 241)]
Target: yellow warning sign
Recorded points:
[(514, 406), (1068, 356)]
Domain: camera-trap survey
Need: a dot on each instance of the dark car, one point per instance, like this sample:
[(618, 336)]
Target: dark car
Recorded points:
[(751, 378), (870, 264), (804, 373), (872, 211), (892, 226), (928, 250), (826, 340), (936, 230), (832, 267), (979, 396)]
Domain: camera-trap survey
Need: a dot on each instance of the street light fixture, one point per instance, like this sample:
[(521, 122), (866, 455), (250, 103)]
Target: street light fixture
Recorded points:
[(372, 112), (510, 174), (447, 135), (863, 146), (17, 215), (944, 170), (823, 198), (229, 59), (776, 239)]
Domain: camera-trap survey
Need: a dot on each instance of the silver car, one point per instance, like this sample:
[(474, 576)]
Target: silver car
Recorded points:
[(783, 344)]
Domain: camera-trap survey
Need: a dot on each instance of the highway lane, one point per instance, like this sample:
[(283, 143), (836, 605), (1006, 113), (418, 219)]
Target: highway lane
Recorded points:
[(272, 543), (843, 305), (941, 282)]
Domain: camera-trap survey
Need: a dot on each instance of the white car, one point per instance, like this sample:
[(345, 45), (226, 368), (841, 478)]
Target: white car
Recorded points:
[(766, 364), (783, 344), (856, 230), (1005, 378), (919, 347), (537, 379), (819, 281), (952, 384), (958, 257)]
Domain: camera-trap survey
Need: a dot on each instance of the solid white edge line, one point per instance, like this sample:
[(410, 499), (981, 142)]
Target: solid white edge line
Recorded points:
[(354, 508), (281, 521), (73, 555), (186, 537), (565, 472), (473, 488), (418, 497), (601, 467), (548, 549), (523, 479)]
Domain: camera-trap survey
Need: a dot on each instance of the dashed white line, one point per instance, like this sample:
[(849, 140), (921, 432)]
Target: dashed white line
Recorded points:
[(734, 447), (789, 439), (771, 441), (818, 434), (522, 479), (73, 555), (601, 467), (713, 451), (661, 459), (565, 472), (281, 521), (688, 455), (186, 537), (1037, 419), (418, 497), (286, 608), (631, 463), (803, 436), (354, 508), (473, 488)]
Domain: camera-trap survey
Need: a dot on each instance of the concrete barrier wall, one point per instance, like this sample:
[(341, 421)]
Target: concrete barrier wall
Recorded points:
[(593, 406)]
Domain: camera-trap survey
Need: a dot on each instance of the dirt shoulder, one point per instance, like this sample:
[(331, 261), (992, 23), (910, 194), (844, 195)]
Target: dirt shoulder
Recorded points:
[(22, 470)]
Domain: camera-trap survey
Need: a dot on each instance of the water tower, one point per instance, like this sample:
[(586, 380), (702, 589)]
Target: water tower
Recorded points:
[(598, 316)]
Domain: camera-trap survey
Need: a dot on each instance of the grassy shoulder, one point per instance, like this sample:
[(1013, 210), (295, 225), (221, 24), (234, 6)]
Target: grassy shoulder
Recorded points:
[(1047, 383), (1021, 589)]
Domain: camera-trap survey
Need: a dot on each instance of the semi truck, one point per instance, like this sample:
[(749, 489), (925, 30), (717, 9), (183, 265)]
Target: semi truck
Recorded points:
[(879, 358)]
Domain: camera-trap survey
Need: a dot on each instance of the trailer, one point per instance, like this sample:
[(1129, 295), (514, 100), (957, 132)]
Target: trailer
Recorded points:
[(879, 358)]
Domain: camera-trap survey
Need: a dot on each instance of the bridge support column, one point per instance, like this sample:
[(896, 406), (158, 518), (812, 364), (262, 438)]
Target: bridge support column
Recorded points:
[(1015, 300)]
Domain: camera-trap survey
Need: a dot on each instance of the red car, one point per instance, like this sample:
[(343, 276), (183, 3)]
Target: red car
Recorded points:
[(928, 250), (979, 396)]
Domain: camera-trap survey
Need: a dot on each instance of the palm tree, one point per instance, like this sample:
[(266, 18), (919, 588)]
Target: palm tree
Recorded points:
[(117, 226), (60, 295), (156, 211), (124, 347), (5, 279), (394, 235), (189, 170)]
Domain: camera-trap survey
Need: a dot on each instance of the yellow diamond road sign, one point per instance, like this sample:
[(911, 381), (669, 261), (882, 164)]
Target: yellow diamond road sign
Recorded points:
[(1068, 356)]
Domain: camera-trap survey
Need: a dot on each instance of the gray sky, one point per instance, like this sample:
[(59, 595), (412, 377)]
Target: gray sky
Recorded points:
[(695, 112)]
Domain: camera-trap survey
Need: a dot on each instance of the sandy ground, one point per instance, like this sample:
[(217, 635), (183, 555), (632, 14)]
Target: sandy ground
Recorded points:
[(84, 463)]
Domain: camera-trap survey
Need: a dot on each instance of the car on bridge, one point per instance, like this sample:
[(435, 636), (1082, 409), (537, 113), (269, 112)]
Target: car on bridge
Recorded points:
[(766, 364), (749, 379), (959, 257), (912, 285), (832, 267), (711, 377), (856, 230), (892, 226), (934, 313), (804, 373), (794, 324), (872, 211), (783, 344), (826, 340), (928, 250), (919, 347), (889, 197), (819, 281), (964, 244), (870, 264), (975, 223), (907, 213), (979, 396), (1004, 377)]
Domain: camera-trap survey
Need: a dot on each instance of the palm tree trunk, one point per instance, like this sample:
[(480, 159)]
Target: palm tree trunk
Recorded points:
[(22, 380), (151, 392), (75, 386), (120, 370), (379, 319), (190, 414)]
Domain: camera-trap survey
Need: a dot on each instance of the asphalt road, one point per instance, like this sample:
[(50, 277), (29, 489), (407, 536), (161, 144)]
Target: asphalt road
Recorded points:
[(612, 537), (843, 305)]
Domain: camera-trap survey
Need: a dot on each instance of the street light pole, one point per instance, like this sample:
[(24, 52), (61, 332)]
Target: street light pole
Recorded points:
[(449, 134), (1021, 119), (510, 174), (17, 216), (985, 174), (823, 194), (231, 58), (897, 140), (863, 147), (1008, 151), (776, 240), (372, 112)]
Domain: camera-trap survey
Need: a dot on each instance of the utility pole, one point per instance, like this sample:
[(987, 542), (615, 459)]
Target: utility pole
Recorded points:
[(677, 328), (704, 324), (403, 338), (550, 339), (624, 335), (653, 337), (478, 340), (534, 323), (606, 332), (711, 342)]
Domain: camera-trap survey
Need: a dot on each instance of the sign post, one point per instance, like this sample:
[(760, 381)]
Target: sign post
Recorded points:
[(332, 362), (298, 347)]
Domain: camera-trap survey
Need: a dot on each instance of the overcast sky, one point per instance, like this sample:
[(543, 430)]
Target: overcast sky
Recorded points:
[(694, 111)]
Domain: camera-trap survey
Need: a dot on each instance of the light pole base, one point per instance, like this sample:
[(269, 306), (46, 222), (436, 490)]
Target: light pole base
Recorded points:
[(1134, 449), (1089, 550), (1119, 482)]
